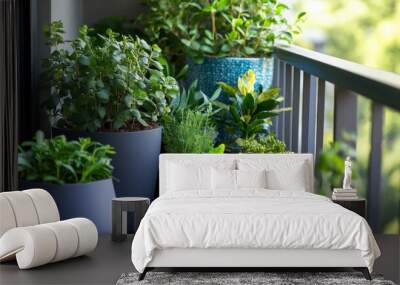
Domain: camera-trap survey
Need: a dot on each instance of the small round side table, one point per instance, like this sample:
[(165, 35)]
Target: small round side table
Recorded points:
[(120, 207)]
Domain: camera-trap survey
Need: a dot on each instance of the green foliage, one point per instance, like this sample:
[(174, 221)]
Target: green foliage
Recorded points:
[(60, 161), (201, 28), (118, 24), (264, 144), (105, 83), (373, 38), (331, 165), (188, 132), (178, 71), (188, 128), (218, 149), (250, 111), (194, 99)]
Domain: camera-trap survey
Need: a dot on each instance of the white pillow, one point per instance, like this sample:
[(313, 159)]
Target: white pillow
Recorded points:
[(288, 175), (224, 179), (182, 177), (251, 178), (294, 178)]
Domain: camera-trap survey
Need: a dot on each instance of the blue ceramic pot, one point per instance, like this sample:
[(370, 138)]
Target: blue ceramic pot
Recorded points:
[(82, 200), (228, 70), (135, 162)]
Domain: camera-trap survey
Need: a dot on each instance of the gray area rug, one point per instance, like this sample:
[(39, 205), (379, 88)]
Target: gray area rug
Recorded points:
[(233, 278)]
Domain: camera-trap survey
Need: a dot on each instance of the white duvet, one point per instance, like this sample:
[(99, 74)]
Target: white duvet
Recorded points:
[(250, 219)]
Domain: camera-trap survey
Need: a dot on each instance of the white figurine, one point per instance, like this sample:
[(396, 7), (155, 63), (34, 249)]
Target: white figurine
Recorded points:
[(347, 174)]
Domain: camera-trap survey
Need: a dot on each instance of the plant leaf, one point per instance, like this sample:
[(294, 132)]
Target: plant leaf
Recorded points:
[(227, 88), (268, 94), (103, 94)]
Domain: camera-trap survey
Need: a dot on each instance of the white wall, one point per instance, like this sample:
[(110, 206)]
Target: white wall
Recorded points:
[(70, 13)]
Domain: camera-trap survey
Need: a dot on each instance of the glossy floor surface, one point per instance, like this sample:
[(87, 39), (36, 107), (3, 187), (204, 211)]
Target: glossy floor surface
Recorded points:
[(110, 260)]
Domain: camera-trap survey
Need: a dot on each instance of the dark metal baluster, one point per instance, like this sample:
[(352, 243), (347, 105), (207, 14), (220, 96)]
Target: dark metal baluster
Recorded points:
[(275, 75), (275, 80), (281, 83), (305, 112), (288, 103), (312, 117), (345, 113), (374, 169), (320, 119), (296, 109)]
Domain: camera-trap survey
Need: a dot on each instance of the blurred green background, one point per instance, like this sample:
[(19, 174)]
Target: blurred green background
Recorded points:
[(366, 32)]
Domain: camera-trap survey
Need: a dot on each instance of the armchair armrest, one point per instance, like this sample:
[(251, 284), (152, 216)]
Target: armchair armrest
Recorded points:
[(40, 244)]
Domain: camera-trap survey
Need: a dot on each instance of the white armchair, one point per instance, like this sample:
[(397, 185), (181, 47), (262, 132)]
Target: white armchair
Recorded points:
[(31, 230)]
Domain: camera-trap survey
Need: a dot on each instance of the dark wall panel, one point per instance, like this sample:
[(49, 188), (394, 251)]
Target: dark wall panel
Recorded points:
[(94, 10)]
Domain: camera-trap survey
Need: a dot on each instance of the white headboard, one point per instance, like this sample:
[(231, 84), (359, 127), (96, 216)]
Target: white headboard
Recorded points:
[(231, 161)]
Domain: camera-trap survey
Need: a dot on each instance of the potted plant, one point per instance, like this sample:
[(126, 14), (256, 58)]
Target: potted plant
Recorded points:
[(113, 89), (248, 113), (221, 39), (189, 132), (189, 127), (78, 174)]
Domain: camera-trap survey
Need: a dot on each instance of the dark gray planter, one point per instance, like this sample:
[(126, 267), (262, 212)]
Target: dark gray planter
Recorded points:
[(228, 70), (135, 162), (88, 200)]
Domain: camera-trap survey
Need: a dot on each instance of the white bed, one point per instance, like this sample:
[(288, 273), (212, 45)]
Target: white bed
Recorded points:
[(217, 223)]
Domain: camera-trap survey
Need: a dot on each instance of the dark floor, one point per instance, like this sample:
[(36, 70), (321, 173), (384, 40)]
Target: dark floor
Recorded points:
[(110, 260), (389, 262), (103, 266)]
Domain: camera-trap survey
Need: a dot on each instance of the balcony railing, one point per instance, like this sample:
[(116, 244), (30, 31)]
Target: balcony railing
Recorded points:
[(302, 76)]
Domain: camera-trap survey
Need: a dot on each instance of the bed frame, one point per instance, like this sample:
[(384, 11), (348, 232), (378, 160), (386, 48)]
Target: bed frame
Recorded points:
[(246, 258), (242, 259)]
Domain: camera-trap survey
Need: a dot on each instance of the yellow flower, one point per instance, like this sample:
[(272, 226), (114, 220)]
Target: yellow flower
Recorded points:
[(246, 82)]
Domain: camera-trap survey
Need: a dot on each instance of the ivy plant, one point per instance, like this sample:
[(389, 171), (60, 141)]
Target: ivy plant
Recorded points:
[(248, 113), (105, 82), (60, 161), (200, 28)]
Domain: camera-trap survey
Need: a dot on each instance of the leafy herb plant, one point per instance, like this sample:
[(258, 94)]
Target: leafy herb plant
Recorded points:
[(202, 28), (189, 132), (60, 161), (105, 82), (249, 111), (265, 144)]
